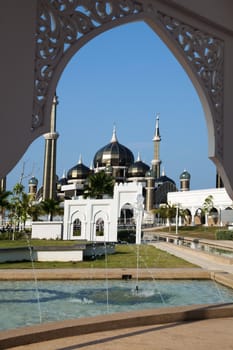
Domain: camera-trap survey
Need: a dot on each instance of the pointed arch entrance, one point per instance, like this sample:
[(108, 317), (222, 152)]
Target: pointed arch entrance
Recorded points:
[(200, 45), (64, 27)]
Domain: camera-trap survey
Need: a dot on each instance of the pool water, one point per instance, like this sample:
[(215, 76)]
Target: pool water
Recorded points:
[(59, 300)]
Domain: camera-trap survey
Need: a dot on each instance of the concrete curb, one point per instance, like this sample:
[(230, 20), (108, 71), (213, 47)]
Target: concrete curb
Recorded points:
[(67, 328)]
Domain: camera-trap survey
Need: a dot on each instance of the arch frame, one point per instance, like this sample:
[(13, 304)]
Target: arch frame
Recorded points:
[(211, 40), (200, 52)]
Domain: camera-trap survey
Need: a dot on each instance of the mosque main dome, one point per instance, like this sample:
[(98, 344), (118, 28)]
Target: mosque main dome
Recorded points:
[(113, 154)]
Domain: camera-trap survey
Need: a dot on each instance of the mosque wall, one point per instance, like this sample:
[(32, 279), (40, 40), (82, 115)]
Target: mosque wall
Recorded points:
[(194, 200), (91, 211)]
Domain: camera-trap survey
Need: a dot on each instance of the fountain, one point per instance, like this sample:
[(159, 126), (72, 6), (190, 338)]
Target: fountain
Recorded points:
[(61, 300)]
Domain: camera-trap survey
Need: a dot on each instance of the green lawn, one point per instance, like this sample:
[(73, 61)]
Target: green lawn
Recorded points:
[(124, 257), (194, 231), (36, 243)]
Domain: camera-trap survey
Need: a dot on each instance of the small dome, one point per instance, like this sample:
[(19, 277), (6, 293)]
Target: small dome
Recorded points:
[(163, 179), (62, 181), (138, 169), (150, 173), (114, 154), (185, 175), (78, 172), (33, 181)]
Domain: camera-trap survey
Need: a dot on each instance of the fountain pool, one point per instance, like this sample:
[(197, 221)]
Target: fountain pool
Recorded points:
[(74, 299)]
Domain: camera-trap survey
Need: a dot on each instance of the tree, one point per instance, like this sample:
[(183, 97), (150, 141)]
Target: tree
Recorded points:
[(166, 211), (34, 211), (51, 207), (207, 206), (4, 203), (18, 205), (25, 205), (99, 184)]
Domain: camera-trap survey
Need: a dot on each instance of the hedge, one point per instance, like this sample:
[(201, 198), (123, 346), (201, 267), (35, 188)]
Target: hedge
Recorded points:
[(224, 235)]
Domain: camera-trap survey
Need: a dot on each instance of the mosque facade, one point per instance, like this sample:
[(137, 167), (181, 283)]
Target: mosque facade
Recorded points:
[(116, 160)]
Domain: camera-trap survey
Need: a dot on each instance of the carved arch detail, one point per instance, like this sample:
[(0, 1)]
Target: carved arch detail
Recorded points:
[(61, 24)]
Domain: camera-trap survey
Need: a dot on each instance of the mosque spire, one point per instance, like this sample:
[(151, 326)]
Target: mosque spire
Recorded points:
[(156, 162), (114, 137), (157, 136), (80, 161), (139, 157)]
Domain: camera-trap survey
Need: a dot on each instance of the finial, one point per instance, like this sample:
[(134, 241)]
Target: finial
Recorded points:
[(157, 134), (114, 137), (157, 124), (80, 159), (139, 157), (163, 172), (64, 174)]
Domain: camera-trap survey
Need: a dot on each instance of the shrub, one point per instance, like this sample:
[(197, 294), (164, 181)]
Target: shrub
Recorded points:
[(126, 235), (224, 235)]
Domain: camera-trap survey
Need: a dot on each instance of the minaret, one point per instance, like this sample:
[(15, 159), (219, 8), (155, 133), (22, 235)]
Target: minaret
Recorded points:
[(32, 187), (49, 178), (156, 162), (150, 189), (185, 181)]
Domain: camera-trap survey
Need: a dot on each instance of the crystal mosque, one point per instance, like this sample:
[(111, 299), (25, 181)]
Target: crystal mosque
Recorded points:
[(95, 219), (114, 159)]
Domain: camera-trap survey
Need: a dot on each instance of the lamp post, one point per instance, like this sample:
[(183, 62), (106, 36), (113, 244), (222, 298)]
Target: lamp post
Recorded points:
[(139, 211), (177, 217)]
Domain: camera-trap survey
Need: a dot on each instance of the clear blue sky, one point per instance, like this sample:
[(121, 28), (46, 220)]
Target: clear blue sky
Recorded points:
[(124, 77)]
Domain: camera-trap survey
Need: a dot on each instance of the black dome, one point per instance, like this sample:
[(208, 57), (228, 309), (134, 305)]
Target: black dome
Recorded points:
[(62, 181), (162, 179), (114, 154), (138, 169), (78, 172)]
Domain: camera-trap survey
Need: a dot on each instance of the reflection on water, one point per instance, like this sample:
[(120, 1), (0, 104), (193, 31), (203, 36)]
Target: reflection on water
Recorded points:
[(74, 299)]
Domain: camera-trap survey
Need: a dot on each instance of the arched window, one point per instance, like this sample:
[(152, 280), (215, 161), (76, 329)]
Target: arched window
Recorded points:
[(199, 217), (100, 227), (187, 216), (77, 226), (126, 215), (213, 216)]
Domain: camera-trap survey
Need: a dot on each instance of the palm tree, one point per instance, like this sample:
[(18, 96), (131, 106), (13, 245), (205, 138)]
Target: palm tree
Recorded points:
[(34, 211), (99, 184), (51, 207), (17, 210), (25, 204), (4, 203), (166, 211), (207, 206)]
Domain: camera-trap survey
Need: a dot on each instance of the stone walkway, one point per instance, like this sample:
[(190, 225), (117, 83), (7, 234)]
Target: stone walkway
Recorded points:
[(199, 258), (214, 334)]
